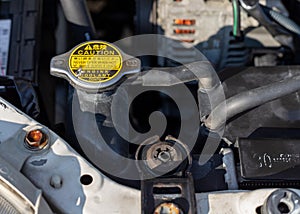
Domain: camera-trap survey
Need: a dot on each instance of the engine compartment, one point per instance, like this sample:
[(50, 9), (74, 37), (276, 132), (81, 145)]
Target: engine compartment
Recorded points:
[(161, 106)]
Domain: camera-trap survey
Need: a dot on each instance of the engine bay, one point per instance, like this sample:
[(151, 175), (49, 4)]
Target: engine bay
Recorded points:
[(150, 106)]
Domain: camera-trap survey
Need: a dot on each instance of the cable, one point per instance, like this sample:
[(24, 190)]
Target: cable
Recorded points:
[(236, 18)]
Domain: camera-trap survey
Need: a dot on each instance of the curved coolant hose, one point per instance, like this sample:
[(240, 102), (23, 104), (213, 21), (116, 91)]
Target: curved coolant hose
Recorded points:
[(250, 99), (283, 20)]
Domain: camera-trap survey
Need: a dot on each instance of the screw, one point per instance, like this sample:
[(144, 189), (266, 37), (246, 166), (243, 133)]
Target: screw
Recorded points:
[(36, 139)]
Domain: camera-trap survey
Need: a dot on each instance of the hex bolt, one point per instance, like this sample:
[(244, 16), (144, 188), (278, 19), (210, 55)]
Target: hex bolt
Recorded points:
[(36, 139), (56, 181)]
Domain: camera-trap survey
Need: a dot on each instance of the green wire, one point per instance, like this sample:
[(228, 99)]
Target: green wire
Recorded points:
[(235, 17)]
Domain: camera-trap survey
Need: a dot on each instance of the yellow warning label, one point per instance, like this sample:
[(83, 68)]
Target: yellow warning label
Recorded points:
[(95, 62)]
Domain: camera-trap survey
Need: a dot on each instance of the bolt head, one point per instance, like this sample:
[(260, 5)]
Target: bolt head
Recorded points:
[(36, 139)]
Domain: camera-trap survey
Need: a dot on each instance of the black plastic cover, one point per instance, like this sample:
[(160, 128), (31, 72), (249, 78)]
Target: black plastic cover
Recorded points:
[(25, 36), (270, 159)]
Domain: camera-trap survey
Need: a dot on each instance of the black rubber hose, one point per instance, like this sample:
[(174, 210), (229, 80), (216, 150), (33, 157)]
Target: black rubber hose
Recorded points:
[(250, 99), (257, 11), (81, 24), (284, 21)]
